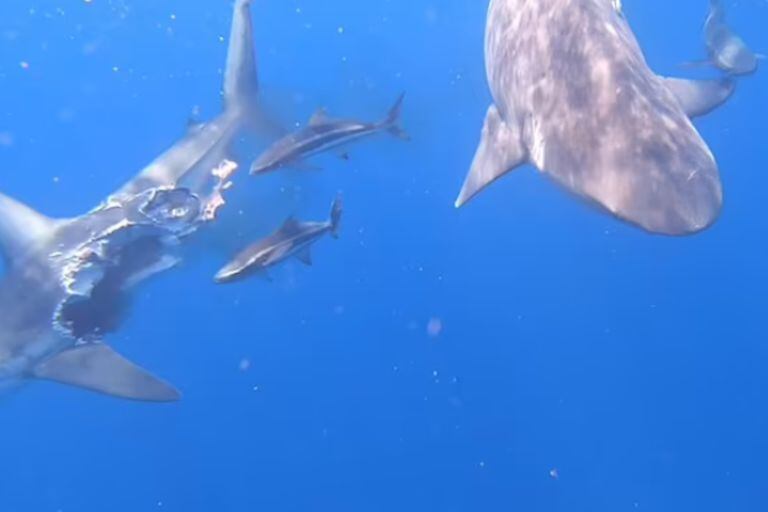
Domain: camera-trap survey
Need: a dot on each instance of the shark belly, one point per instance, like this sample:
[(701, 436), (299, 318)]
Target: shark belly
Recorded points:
[(575, 98)]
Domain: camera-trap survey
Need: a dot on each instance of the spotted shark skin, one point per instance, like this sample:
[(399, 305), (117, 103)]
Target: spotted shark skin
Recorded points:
[(574, 97)]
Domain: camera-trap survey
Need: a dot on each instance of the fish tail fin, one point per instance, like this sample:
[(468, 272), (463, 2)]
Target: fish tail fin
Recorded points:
[(336, 211), (392, 122)]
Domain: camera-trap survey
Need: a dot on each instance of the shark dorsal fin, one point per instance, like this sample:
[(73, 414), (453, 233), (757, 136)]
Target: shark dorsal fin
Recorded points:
[(21, 227), (319, 118)]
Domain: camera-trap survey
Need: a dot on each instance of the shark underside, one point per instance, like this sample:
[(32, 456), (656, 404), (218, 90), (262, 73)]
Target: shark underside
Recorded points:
[(574, 97)]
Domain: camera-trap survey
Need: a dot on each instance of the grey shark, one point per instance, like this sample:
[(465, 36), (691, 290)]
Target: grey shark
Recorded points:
[(293, 238), (67, 281), (321, 134), (726, 49), (574, 96)]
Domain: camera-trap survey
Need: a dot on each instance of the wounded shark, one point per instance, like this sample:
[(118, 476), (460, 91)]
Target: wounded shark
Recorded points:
[(574, 96), (67, 281), (294, 238)]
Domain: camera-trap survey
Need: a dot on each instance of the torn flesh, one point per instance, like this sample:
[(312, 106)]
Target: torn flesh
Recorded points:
[(96, 274)]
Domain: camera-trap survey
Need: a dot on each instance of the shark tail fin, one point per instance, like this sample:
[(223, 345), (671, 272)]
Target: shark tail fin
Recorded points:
[(392, 122), (336, 210), (21, 227), (241, 78)]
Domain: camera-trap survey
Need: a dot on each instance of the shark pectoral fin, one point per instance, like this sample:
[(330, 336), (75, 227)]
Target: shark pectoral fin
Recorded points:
[(305, 256), (99, 368), (700, 97), (501, 150)]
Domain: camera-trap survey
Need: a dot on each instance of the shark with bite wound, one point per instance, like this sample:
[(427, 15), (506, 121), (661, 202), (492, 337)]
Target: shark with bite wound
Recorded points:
[(68, 280)]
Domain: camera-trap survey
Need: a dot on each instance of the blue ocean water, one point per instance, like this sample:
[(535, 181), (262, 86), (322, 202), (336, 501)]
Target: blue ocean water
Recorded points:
[(524, 353)]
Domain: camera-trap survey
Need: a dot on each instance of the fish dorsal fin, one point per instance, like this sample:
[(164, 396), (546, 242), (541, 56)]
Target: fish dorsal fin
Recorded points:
[(99, 368), (21, 227), (319, 118), (290, 226), (305, 256)]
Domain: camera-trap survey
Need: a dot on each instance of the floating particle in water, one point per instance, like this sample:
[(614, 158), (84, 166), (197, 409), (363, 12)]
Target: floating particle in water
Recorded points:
[(434, 327), (245, 364), (554, 474), (24, 65), (6, 139), (431, 15)]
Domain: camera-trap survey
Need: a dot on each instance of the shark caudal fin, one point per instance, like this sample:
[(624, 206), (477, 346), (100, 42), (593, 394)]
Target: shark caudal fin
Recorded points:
[(392, 122), (21, 228), (241, 77), (336, 210)]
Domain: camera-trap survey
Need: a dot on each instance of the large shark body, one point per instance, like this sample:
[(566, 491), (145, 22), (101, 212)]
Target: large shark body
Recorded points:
[(574, 96), (67, 280)]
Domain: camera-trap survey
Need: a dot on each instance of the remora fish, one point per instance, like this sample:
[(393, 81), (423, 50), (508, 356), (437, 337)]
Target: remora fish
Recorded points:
[(574, 96), (726, 50), (292, 239), (67, 280), (321, 134)]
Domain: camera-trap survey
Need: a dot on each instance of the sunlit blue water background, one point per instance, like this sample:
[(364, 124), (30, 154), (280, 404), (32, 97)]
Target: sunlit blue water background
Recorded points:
[(581, 365)]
